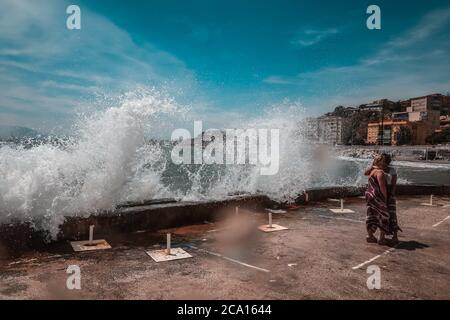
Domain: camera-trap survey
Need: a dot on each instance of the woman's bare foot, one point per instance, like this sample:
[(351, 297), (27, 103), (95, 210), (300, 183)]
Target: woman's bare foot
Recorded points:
[(382, 240), (370, 237)]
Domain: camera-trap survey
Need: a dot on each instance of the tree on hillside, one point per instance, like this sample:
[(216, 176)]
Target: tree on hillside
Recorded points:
[(398, 107), (439, 137), (404, 135)]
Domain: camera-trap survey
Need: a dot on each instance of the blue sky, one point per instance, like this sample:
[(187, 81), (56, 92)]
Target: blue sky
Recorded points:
[(228, 59)]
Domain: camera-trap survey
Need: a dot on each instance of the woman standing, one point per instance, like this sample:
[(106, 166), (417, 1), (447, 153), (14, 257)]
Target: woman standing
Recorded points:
[(377, 202), (391, 179)]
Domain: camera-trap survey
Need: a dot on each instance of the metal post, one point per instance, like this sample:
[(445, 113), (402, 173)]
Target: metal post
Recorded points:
[(382, 125), (91, 234), (168, 244)]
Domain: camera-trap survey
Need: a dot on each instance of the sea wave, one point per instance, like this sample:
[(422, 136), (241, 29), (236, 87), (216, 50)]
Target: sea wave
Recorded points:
[(108, 160)]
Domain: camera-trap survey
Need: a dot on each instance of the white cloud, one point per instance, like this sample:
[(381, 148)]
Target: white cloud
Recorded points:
[(428, 26), (53, 66), (310, 37), (414, 63)]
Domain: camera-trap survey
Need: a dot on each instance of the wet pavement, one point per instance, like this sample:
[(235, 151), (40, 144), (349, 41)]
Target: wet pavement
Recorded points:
[(322, 255)]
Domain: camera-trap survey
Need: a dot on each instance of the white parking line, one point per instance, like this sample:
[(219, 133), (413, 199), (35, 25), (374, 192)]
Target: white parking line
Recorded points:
[(436, 224), (374, 258), (391, 249), (341, 218), (229, 259)]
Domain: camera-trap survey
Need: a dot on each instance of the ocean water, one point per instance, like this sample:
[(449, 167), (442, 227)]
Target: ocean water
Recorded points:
[(409, 172), (108, 160)]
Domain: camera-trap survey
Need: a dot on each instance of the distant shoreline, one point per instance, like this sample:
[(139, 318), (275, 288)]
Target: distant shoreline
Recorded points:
[(423, 161), (420, 153)]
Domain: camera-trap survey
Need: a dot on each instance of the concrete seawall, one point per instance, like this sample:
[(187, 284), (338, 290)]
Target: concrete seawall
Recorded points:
[(167, 215)]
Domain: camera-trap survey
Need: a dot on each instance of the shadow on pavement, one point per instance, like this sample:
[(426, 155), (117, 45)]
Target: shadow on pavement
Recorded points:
[(411, 245)]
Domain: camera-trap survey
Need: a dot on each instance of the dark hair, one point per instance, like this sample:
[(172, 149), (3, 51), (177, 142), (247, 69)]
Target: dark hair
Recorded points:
[(379, 160), (387, 158)]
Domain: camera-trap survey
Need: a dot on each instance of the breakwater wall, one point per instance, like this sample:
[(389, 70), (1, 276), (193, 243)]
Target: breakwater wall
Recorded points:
[(156, 216)]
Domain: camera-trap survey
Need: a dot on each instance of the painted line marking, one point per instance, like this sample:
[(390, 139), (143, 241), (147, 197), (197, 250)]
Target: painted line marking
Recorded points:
[(374, 258), (436, 224), (39, 259), (22, 261), (215, 230), (391, 249), (341, 218), (227, 258)]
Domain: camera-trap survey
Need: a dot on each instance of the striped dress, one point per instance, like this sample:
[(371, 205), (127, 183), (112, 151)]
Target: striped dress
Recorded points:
[(392, 201), (377, 211)]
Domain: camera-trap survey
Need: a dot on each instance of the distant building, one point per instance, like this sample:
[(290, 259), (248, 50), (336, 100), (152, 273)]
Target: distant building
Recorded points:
[(327, 129), (404, 104), (377, 136), (400, 116), (445, 111), (415, 120), (395, 132), (431, 102), (332, 130), (420, 124), (444, 124), (430, 118), (378, 105), (310, 129), (441, 135)]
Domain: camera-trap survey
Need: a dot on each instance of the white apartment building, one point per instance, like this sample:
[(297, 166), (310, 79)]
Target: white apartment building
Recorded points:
[(327, 129)]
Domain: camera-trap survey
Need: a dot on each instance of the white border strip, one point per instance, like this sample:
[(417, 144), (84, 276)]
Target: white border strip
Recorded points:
[(391, 249), (340, 218), (436, 224), (374, 258), (229, 259)]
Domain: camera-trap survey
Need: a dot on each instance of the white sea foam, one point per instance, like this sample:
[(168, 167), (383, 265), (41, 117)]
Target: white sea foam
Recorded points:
[(103, 164), (108, 161)]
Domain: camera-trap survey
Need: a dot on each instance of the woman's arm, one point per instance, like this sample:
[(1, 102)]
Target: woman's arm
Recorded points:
[(393, 184), (383, 185)]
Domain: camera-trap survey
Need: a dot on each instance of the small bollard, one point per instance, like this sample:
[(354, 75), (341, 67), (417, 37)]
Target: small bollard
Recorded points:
[(270, 220), (90, 244), (341, 210), (169, 253), (430, 203), (271, 227), (91, 234), (168, 244)]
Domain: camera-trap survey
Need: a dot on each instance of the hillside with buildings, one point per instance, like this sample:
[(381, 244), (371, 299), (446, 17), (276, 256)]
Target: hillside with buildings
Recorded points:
[(416, 121)]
